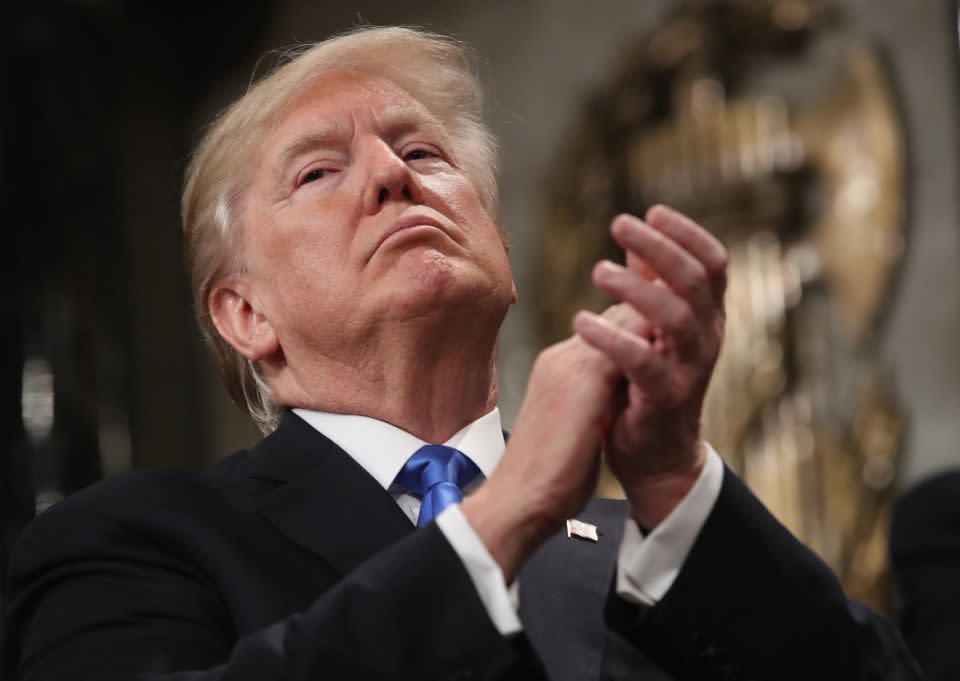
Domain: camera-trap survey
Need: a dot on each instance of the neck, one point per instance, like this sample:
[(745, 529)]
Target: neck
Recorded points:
[(430, 379)]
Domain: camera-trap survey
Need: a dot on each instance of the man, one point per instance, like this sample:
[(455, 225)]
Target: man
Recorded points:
[(351, 276)]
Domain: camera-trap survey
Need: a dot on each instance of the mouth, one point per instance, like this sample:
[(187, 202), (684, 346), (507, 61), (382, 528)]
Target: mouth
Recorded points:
[(408, 222)]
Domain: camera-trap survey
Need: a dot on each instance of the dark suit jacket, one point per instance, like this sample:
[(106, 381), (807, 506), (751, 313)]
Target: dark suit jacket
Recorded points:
[(925, 548), (289, 562)]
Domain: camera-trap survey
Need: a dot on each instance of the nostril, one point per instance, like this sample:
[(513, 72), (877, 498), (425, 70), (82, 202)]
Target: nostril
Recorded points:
[(382, 196), (406, 193)]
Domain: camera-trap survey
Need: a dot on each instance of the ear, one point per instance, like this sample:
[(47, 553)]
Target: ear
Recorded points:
[(514, 296), (240, 321)]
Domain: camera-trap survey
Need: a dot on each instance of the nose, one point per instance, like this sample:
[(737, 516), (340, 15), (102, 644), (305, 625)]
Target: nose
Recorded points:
[(391, 179)]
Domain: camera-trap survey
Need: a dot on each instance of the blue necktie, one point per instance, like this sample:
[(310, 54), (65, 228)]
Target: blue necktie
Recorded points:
[(436, 474)]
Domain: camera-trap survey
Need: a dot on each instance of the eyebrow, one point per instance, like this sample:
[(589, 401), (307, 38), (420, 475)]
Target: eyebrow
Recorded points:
[(400, 117), (328, 134), (396, 119)]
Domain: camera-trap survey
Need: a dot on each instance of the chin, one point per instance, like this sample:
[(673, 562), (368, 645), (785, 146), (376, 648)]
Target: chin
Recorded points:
[(433, 283)]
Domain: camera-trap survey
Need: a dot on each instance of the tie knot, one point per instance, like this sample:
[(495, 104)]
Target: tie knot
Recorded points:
[(434, 464)]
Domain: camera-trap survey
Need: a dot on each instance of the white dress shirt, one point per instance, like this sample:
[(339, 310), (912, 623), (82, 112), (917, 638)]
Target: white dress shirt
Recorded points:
[(646, 565)]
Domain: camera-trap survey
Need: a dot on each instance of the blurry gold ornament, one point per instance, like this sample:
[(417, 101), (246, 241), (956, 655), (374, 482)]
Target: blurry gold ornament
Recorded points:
[(809, 199)]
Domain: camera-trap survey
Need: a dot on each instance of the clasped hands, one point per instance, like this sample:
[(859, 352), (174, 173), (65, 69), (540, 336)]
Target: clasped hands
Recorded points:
[(629, 383)]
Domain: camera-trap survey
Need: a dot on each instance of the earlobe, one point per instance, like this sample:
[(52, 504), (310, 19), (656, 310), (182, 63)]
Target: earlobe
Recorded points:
[(514, 296), (239, 321)]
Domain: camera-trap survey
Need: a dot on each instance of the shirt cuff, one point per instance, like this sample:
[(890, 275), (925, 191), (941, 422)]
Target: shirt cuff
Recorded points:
[(648, 565), (501, 602)]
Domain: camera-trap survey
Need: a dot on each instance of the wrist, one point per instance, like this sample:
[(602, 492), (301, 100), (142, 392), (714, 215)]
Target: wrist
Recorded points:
[(654, 495), (510, 531)]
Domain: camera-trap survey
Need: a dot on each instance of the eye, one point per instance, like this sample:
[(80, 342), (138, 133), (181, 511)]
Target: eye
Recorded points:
[(418, 155), (313, 176)]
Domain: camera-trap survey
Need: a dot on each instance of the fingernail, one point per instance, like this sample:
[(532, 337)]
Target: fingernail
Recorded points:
[(660, 211), (604, 269), (625, 224), (584, 317)]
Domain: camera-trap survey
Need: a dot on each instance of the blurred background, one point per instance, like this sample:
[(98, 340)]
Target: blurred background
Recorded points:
[(818, 139)]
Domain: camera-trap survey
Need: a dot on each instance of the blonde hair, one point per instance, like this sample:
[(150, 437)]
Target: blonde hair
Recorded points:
[(438, 71)]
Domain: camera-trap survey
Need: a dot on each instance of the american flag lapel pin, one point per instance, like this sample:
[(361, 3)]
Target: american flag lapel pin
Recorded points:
[(577, 529)]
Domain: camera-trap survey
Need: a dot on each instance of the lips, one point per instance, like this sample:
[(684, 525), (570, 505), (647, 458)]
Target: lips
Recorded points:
[(406, 222)]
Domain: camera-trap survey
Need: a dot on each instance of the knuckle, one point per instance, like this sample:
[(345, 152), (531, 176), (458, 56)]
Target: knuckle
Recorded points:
[(717, 270), (597, 361), (692, 285), (722, 260), (682, 317), (637, 364), (612, 312), (698, 276), (620, 314), (548, 357)]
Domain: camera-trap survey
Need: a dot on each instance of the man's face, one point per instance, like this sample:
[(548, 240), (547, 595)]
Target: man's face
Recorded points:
[(359, 216)]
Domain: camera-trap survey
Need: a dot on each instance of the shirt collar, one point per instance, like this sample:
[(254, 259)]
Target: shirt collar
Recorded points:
[(382, 448)]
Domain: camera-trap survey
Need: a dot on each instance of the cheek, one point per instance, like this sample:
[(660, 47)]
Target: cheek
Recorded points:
[(295, 241), (303, 289), (456, 197), (297, 261), (459, 195), (464, 205)]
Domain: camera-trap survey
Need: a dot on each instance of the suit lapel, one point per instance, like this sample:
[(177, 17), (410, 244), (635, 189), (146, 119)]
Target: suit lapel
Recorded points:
[(563, 589), (326, 502)]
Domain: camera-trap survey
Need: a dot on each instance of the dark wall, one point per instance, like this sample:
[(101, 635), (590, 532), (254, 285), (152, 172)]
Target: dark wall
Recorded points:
[(98, 122)]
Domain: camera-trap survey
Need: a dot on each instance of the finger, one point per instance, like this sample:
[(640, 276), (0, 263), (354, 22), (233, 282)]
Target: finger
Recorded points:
[(695, 239), (659, 305), (634, 355), (677, 267), (577, 352), (629, 318), (573, 374), (637, 264)]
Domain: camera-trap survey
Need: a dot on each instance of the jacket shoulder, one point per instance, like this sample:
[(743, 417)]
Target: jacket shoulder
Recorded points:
[(145, 490), (159, 508)]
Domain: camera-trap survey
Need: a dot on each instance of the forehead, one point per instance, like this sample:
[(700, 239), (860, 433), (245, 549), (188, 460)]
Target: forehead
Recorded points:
[(334, 101)]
